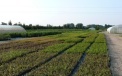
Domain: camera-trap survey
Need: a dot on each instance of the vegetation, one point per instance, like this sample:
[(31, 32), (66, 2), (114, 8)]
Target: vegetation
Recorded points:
[(63, 64), (33, 34), (4, 37), (60, 66), (6, 56), (100, 38), (94, 65), (23, 63), (97, 59), (79, 48), (65, 26), (56, 55), (27, 34)]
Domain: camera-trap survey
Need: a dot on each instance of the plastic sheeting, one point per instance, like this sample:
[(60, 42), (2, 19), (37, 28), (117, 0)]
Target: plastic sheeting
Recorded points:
[(11, 29), (91, 28), (115, 29)]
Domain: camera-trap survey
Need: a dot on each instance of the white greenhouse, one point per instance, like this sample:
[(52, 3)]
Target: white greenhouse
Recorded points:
[(92, 28), (115, 29), (11, 29)]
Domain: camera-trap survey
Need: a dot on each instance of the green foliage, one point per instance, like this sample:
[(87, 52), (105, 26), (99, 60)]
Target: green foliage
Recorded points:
[(10, 55), (79, 26), (10, 23), (101, 38), (4, 37), (95, 65), (57, 47), (91, 38), (98, 48), (72, 40), (71, 37), (22, 63), (32, 59), (60, 66), (78, 48), (32, 34)]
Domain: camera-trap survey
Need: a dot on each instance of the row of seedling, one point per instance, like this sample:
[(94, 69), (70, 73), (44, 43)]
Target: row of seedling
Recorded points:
[(63, 64), (28, 61), (97, 59)]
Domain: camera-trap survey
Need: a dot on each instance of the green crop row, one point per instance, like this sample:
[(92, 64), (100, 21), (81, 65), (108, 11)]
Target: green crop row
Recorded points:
[(101, 38), (70, 37), (63, 64), (26, 43), (71, 40), (60, 66), (95, 65), (60, 61), (91, 38), (78, 48), (6, 56), (98, 48), (97, 60), (22, 63), (57, 47), (13, 53)]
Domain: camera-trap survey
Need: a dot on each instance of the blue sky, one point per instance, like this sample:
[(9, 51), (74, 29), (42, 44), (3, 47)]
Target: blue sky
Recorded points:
[(59, 12)]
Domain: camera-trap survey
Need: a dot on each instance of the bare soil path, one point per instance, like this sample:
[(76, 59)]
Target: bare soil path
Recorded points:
[(114, 42)]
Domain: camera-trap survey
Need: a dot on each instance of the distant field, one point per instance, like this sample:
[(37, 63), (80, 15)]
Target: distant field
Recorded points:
[(34, 33), (71, 52)]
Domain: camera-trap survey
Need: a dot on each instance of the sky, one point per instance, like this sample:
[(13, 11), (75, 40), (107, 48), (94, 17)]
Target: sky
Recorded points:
[(59, 12)]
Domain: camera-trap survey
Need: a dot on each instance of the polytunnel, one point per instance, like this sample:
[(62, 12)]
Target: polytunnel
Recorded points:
[(115, 29), (11, 29), (92, 28)]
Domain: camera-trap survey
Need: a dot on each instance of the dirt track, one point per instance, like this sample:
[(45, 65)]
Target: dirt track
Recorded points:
[(114, 42)]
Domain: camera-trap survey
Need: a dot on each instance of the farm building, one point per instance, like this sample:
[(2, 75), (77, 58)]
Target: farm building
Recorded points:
[(11, 29), (115, 29), (92, 28)]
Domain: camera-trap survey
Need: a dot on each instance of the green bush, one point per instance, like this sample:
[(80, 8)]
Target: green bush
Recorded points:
[(4, 37)]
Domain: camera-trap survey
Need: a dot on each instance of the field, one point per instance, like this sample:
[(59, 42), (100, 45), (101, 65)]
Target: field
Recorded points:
[(68, 53), (34, 33)]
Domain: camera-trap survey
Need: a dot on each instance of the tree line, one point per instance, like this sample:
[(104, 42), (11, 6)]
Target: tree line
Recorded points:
[(65, 26)]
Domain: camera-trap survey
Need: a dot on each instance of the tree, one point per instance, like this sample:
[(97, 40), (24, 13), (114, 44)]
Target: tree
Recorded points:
[(15, 24), (107, 26), (3, 23), (69, 26), (96, 26), (79, 26), (19, 24), (49, 26), (10, 23)]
